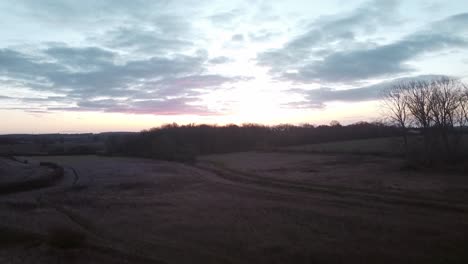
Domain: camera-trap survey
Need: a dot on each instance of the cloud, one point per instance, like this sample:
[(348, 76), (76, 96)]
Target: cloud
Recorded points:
[(382, 61), (220, 60), (330, 51), (82, 58), (317, 98), (335, 30), (86, 75), (187, 86), (225, 18), (176, 106), (149, 27), (156, 40), (262, 35), (199, 81), (127, 80), (89, 11), (13, 63), (237, 37), (143, 56), (44, 100), (343, 27)]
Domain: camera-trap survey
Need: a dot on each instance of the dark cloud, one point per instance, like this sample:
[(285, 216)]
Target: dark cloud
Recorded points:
[(175, 106), (16, 64), (365, 19), (455, 23), (116, 77), (262, 35), (86, 74), (147, 56), (82, 59), (237, 37), (220, 60), (172, 25), (187, 86), (144, 26), (136, 51), (45, 100), (144, 40), (223, 18), (382, 61), (330, 53), (303, 105), (317, 98), (338, 29), (89, 11), (199, 81)]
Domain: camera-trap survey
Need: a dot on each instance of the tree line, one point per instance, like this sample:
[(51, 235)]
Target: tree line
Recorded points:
[(438, 108), (185, 142)]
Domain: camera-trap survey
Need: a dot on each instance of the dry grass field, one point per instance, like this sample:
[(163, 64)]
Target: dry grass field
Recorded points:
[(253, 207), (386, 146), (379, 146)]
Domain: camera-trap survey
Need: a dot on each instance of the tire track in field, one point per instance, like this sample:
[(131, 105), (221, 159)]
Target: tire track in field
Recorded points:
[(47, 180), (343, 193), (135, 249), (76, 176), (105, 236)]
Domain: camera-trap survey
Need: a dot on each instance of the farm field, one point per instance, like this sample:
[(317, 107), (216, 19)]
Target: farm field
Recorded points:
[(386, 146), (251, 207), (234, 132)]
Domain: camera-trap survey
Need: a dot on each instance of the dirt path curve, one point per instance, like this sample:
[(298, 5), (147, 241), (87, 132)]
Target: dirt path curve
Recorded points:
[(345, 194), (138, 250), (49, 179)]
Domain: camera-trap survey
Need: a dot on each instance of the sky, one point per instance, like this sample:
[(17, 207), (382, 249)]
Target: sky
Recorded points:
[(114, 65)]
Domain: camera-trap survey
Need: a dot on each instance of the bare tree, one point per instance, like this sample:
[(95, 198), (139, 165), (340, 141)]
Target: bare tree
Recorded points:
[(420, 107), (395, 100), (446, 103), (335, 123), (438, 107), (463, 107)]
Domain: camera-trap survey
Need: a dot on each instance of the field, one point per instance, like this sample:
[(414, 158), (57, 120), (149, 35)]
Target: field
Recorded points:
[(377, 146), (254, 207), (386, 146)]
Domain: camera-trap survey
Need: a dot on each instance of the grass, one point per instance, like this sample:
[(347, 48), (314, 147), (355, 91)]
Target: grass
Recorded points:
[(35, 183), (66, 238), (51, 149), (376, 146), (58, 237), (13, 236)]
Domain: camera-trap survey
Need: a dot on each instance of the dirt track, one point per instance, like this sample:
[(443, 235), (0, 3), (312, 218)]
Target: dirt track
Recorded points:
[(278, 209)]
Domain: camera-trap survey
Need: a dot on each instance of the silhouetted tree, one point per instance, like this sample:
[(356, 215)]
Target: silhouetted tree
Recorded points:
[(184, 143), (438, 107), (335, 123), (395, 100)]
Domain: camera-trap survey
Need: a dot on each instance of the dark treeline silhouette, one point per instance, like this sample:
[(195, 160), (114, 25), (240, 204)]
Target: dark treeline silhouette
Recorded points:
[(184, 143), (439, 109)]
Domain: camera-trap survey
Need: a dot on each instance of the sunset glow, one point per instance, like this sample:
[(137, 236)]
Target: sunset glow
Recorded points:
[(86, 66)]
